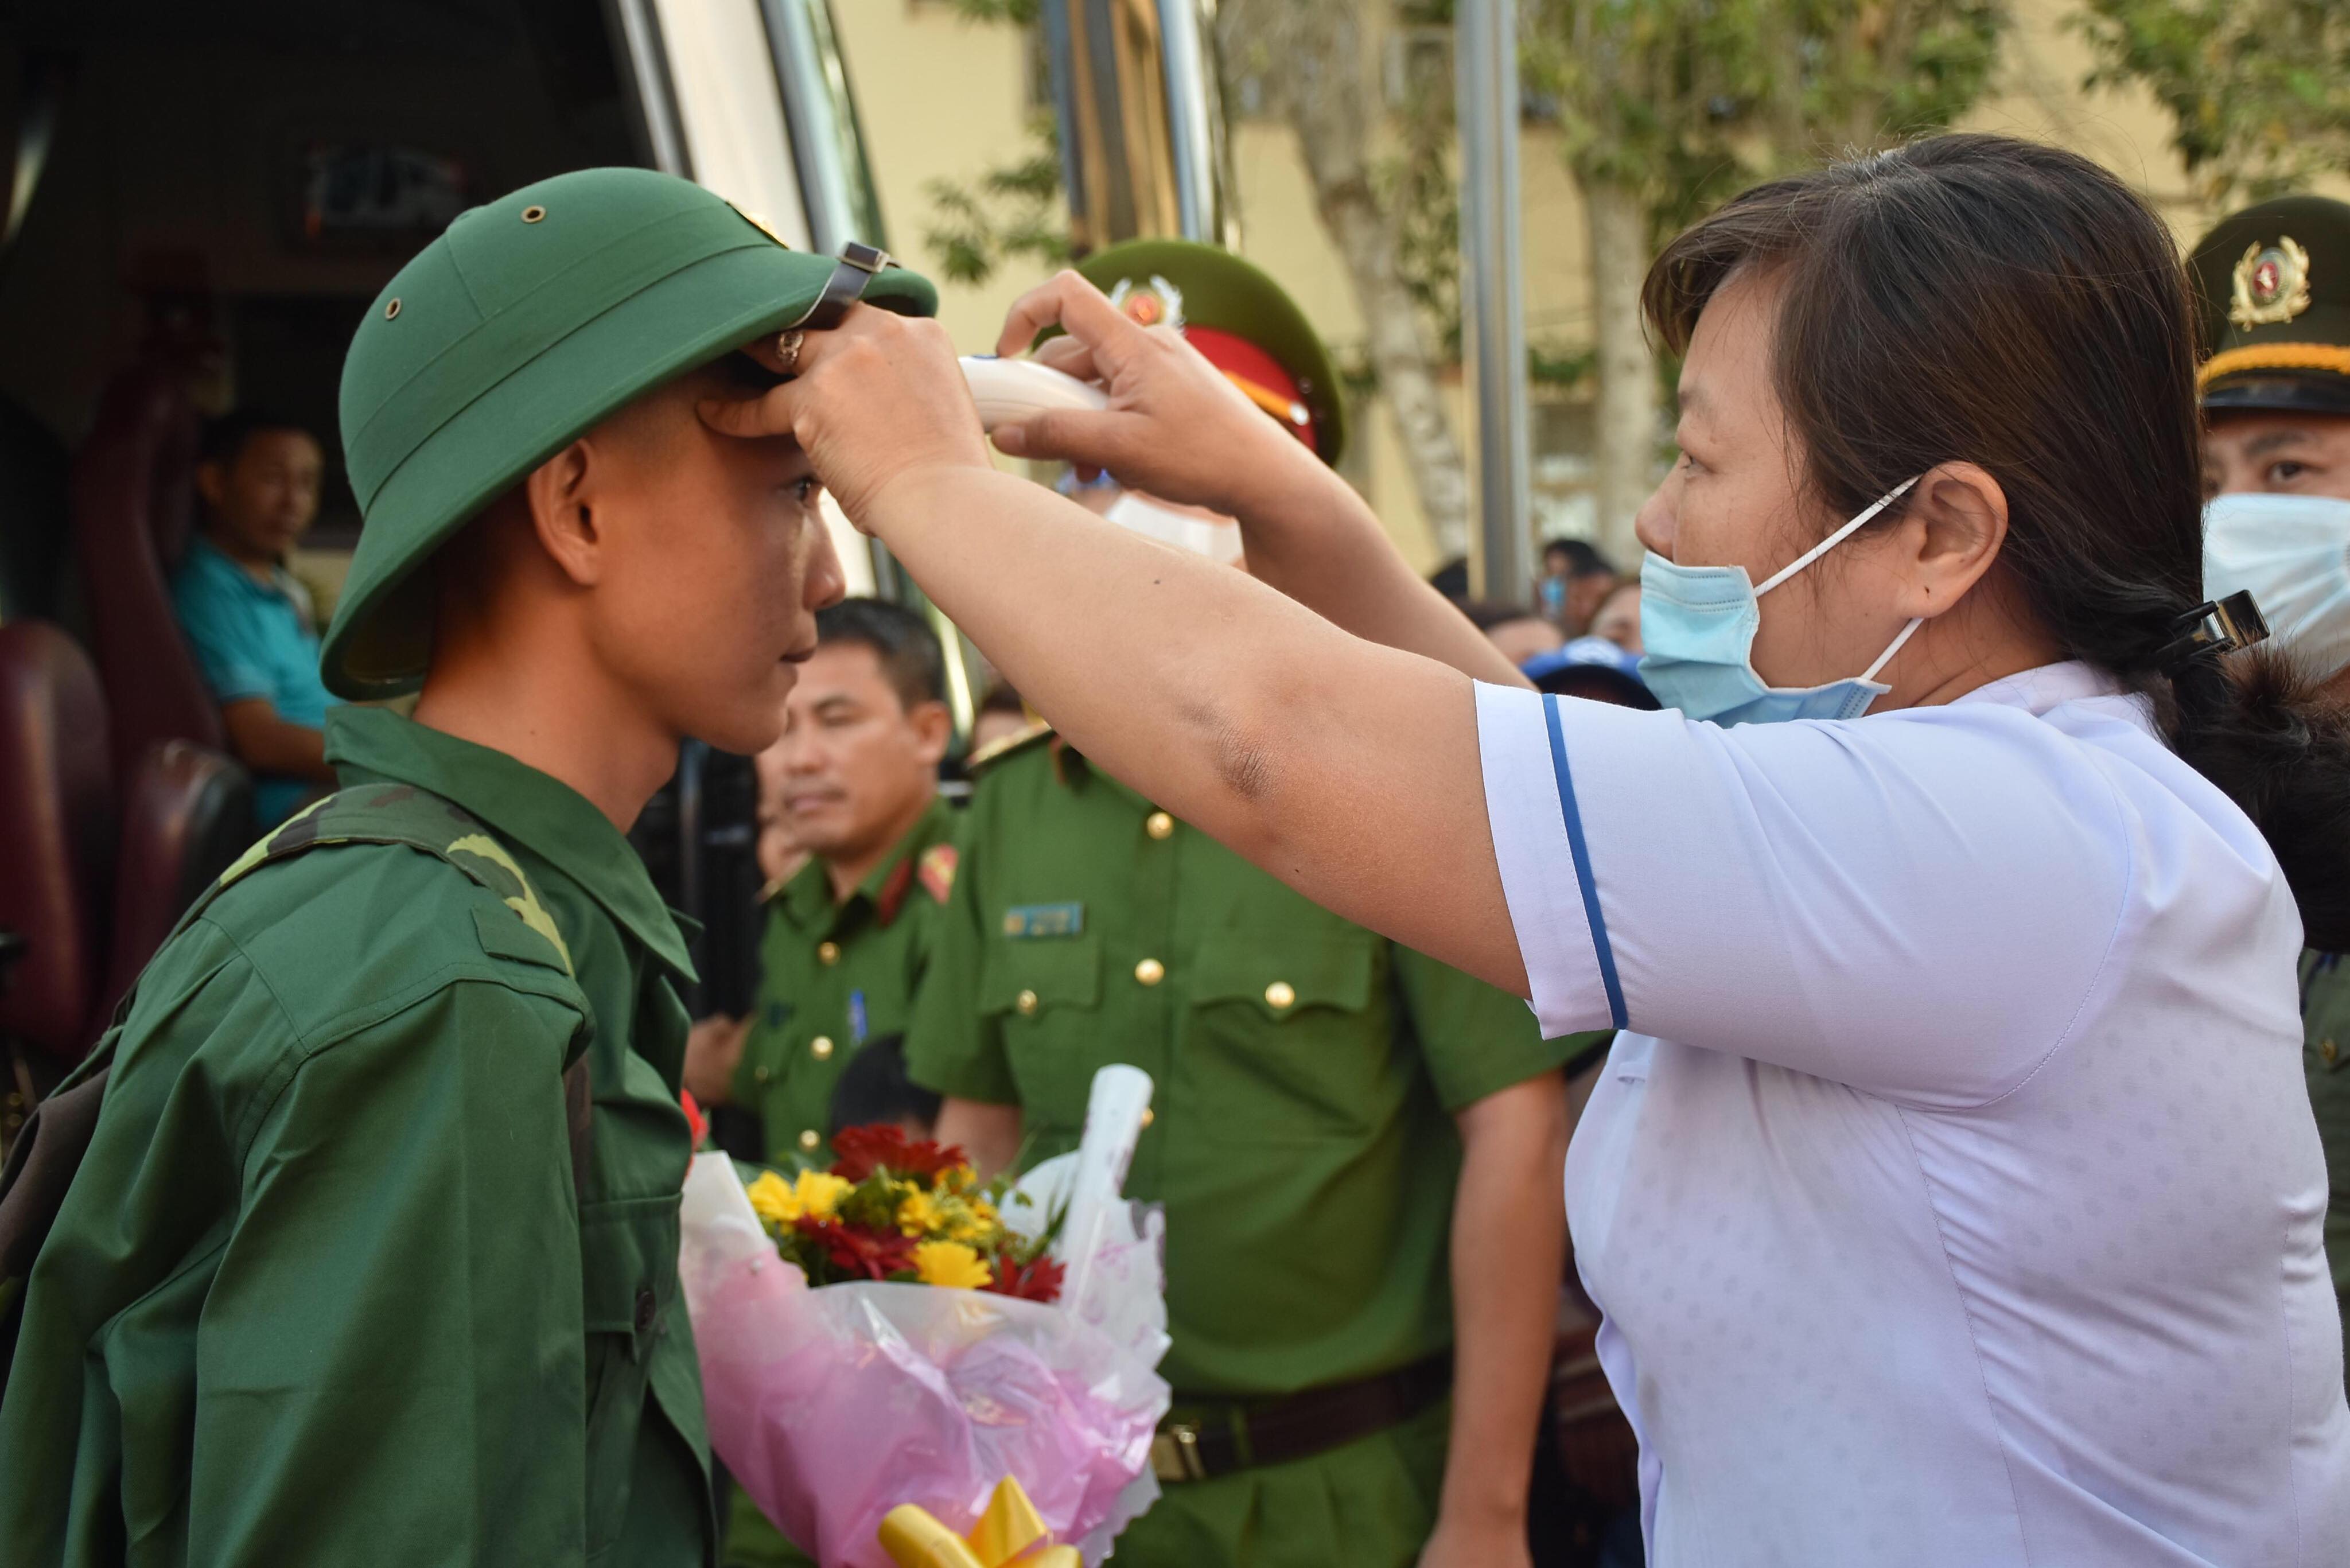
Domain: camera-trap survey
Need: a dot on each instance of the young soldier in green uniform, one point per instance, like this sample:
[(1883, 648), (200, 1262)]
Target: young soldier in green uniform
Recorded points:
[(1357, 1148), (2274, 280), (848, 936), (355, 1270)]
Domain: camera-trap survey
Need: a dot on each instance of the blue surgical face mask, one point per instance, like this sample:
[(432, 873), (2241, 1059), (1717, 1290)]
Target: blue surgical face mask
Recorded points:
[(1698, 626), (2293, 552)]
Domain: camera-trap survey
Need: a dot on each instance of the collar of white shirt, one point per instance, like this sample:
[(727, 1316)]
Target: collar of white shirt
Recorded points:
[(2047, 686)]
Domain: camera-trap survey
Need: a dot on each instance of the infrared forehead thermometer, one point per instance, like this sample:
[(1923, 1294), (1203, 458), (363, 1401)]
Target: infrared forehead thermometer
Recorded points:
[(1008, 391)]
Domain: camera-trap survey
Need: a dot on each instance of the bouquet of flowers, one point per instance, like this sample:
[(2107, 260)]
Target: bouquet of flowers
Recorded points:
[(893, 1331), (893, 1208)]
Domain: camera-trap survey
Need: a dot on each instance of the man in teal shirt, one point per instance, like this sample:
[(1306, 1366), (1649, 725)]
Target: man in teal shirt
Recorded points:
[(247, 619)]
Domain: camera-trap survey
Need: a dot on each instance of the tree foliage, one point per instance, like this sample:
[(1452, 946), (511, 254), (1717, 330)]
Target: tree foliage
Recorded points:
[(1010, 213), (2258, 90), (1683, 101)]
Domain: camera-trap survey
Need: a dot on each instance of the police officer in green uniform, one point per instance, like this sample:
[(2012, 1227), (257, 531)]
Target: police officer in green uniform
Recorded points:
[(358, 1266), (1357, 1148), (2275, 286), (848, 936)]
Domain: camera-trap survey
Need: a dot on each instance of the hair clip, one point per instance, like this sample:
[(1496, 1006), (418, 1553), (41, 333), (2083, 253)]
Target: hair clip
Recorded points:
[(2213, 627)]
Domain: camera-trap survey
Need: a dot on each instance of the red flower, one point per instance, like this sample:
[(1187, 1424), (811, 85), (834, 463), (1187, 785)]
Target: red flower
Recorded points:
[(1038, 1279), (873, 1255), (864, 1151), (695, 1122)]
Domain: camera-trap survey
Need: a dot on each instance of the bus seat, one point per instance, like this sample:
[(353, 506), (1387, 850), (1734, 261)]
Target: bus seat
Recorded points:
[(132, 483), (186, 813), (57, 836)]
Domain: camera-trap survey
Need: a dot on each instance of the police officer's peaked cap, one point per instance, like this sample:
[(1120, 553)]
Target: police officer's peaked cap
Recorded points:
[(2273, 283), (514, 333), (1241, 319)]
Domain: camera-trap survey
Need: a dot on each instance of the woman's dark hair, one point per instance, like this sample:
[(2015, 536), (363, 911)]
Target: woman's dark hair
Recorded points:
[(1976, 298)]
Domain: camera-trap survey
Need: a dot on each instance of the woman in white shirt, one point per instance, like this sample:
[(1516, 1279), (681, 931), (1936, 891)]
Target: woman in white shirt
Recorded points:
[(1951, 1193)]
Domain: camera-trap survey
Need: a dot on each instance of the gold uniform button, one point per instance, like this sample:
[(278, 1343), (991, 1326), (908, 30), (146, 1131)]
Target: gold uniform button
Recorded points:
[(1148, 1116), (1150, 972), (808, 1139), (821, 1047), (2327, 1051), (828, 952), (1026, 1002), (760, 1074), (1280, 994), (1158, 824)]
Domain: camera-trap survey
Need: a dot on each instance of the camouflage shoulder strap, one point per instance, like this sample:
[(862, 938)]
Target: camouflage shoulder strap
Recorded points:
[(49, 1147)]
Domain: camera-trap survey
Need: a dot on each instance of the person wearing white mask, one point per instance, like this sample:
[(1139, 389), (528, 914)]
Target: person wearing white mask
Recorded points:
[(1950, 1192), (2276, 460)]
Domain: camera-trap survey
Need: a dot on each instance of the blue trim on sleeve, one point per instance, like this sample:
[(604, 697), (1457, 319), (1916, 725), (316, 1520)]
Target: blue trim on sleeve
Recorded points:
[(1600, 947)]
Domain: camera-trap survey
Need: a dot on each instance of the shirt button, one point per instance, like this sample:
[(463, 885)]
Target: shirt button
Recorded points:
[(645, 1306), (1026, 1002), (809, 1139), (1150, 972), (1280, 994), (821, 1047), (1158, 824), (828, 952)]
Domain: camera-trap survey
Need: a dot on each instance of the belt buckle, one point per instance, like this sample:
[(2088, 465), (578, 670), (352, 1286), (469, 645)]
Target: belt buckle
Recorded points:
[(1175, 1453)]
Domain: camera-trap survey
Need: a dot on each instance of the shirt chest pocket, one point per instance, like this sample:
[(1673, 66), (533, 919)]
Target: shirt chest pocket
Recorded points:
[(628, 1255), (1043, 995), (1293, 1038)]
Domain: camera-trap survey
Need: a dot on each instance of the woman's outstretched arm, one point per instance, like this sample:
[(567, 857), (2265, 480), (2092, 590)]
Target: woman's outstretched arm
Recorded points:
[(1348, 769), (1305, 530)]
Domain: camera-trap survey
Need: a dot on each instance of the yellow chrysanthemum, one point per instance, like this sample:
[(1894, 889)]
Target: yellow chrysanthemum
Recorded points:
[(952, 1264), (955, 1179), (820, 1193), (917, 1214), (774, 1199)]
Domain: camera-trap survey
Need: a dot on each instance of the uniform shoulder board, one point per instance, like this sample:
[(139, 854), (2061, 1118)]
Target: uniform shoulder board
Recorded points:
[(996, 751)]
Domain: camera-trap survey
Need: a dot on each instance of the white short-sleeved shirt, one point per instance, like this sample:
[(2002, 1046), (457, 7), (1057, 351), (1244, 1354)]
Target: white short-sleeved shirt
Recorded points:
[(1961, 1202)]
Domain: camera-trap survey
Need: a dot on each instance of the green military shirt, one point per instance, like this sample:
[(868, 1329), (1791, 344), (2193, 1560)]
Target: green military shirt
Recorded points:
[(2325, 1054), (322, 1291), (833, 976), (1306, 1068)]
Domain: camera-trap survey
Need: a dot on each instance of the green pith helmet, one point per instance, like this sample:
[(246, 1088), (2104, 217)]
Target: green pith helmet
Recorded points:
[(515, 332), (1241, 321), (2273, 284)]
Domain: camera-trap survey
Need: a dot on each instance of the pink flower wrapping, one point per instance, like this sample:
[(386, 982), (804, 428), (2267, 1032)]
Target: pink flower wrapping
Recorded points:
[(832, 1406)]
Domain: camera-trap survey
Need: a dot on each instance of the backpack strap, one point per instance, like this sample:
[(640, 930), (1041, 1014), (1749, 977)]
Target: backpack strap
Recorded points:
[(50, 1146)]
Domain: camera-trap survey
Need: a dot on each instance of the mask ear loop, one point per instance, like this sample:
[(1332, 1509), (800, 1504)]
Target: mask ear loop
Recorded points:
[(1885, 658), (1838, 537)]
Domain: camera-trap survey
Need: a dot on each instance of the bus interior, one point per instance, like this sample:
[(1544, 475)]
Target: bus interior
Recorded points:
[(201, 201)]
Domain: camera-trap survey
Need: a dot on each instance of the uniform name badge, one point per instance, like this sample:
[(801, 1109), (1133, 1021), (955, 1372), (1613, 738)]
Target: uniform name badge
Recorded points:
[(1024, 922)]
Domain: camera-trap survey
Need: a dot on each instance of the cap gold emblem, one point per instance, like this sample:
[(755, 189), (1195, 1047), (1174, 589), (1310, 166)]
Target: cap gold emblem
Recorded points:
[(1158, 303), (759, 224), (2271, 284)]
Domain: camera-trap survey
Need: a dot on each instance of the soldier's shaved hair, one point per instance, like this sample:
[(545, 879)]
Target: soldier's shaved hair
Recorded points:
[(901, 640)]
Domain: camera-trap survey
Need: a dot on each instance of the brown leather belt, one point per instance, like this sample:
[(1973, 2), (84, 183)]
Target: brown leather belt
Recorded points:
[(1215, 1437)]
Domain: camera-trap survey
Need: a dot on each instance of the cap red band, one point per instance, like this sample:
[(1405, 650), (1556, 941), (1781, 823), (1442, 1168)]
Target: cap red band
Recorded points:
[(1257, 372)]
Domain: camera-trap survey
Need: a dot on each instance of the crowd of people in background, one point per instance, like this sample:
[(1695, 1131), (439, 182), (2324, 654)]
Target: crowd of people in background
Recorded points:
[(1370, 1286)]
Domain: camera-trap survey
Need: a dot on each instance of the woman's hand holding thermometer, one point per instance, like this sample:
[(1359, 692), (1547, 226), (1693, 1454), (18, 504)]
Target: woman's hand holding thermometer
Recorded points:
[(1010, 390)]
